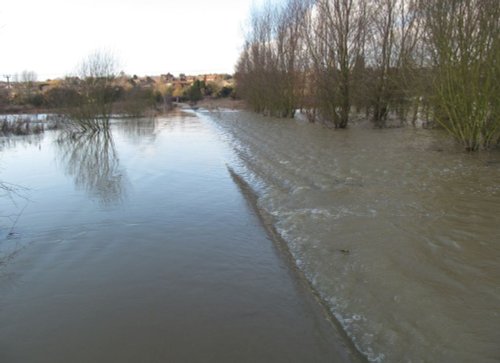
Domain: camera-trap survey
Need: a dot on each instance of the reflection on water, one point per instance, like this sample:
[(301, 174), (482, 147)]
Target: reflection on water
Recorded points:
[(14, 141), (91, 159), (138, 129), (180, 271), (398, 233), (147, 130)]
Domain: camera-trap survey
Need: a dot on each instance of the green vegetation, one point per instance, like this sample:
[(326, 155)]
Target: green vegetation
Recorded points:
[(194, 93), (465, 38)]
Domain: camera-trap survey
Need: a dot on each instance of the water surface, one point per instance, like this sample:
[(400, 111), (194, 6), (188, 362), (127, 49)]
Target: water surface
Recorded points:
[(397, 229), (137, 245)]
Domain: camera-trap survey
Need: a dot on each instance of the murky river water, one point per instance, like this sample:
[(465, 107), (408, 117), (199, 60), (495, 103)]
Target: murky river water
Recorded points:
[(397, 229), (139, 246), (142, 246)]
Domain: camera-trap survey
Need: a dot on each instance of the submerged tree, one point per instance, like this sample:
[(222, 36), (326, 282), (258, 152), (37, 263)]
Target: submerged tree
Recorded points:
[(301, 55), (406, 58), (394, 30), (92, 91), (464, 35), (270, 72), (335, 33)]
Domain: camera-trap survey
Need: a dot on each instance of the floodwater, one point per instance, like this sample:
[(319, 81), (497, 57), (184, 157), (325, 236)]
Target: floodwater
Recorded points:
[(141, 245), (398, 230), (149, 244)]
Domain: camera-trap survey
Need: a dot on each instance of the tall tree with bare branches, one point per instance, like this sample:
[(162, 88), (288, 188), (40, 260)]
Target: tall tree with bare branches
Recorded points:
[(464, 37), (334, 32)]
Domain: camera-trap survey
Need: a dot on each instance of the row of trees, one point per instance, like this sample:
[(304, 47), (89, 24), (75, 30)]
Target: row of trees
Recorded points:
[(410, 59), (25, 85), (97, 90), (88, 97)]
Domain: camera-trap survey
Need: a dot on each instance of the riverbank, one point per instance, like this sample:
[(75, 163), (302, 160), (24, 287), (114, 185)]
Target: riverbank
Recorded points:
[(208, 103)]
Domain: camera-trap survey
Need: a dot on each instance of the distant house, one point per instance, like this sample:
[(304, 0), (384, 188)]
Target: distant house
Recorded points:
[(168, 78), (146, 81), (43, 87), (211, 78)]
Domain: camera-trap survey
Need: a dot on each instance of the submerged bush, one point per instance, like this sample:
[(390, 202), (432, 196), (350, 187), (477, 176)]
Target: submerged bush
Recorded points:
[(90, 105), (138, 101), (20, 127)]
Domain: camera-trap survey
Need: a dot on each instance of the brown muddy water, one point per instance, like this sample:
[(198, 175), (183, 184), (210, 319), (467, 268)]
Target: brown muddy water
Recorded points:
[(139, 245), (149, 246), (397, 229)]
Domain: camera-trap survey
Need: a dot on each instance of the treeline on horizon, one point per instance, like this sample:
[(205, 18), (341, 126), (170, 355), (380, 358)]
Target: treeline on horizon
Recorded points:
[(96, 91), (433, 60)]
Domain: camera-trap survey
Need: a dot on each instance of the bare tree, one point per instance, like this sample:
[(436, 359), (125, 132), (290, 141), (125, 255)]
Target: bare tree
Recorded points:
[(28, 80), (334, 31), (290, 54), (91, 106), (256, 69), (382, 57), (412, 59), (394, 29), (24, 85), (269, 72), (438, 59), (464, 35)]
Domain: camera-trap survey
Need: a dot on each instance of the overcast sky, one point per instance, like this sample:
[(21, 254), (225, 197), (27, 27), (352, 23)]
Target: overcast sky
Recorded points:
[(151, 37)]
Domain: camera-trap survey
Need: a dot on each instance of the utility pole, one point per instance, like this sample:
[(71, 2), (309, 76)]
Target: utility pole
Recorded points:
[(8, 80)]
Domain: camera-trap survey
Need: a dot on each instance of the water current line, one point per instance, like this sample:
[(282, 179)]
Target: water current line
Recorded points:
[(267, 221)]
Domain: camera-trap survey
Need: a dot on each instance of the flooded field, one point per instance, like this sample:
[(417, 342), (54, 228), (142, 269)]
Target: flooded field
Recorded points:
[(138, 245), (397, 229), (147, 243)]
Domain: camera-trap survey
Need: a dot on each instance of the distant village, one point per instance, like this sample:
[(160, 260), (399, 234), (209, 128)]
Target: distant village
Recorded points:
[(179, 83), (23, 92)]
